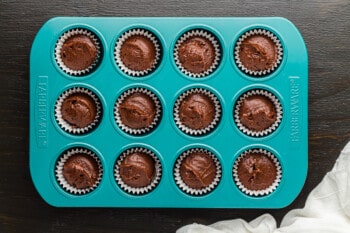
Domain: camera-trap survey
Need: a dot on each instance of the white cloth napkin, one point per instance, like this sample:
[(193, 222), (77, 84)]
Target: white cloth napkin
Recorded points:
[(327, 209)]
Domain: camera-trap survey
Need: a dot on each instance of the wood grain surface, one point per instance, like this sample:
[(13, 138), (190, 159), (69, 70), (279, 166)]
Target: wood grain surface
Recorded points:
[(325, 26)]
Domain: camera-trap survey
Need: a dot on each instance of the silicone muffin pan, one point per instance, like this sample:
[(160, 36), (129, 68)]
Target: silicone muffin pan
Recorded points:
[(189, 137)]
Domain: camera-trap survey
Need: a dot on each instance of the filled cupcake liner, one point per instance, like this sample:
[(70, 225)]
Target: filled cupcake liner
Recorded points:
[(138, 190), (157, 115), (123, 38), (59, 171), (60, 43), (261, 192), (201, 33), (258, 32), (183, 186), (269, 130), (66, 126), (211, 126)]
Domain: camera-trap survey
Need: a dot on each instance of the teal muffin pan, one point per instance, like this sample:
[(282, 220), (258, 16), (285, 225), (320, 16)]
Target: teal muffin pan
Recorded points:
[(222, 75)]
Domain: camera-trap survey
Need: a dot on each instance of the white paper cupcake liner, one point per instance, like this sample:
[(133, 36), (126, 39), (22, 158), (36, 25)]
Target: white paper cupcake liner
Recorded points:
[(66, 126), (200, 33), (157, 115), (60, 43), (138, 190), (123, 38), (211, 126), (269, 130), (258, 32), (183, 186), (59, 171), (261, 192)]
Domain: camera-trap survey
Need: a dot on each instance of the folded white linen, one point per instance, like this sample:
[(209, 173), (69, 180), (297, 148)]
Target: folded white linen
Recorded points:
[(327, 209)]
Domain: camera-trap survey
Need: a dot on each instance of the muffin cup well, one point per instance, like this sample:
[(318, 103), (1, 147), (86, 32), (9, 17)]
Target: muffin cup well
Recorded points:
[(269, 35), (129, 34), (69, 34), (274, 100), (138, 190), (66, 126), (59, 171), (261, 192), (187, 189), (138, 131), (206, 35), (202, 131)]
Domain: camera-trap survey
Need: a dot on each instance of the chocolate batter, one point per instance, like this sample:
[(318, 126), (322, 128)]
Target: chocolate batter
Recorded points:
[(138, 53), (198, 170), (137, 170), (197, 111), (196, 54), (258, 53), (81, 171), (137, 111), (256, 171), (257, 113), (79, 110), (79, 52)]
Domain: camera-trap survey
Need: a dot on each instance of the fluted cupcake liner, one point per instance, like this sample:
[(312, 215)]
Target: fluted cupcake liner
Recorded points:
[(269, 130), (139, 131), (183, 186), (66, 126), (200, 33), (138, 190), (137, 32), (68, 34), (211, 126), (258, 32), (59, 171), (261, 192)]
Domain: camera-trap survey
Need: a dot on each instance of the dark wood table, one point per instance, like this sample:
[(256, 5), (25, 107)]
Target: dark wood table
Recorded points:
[(325, 27)]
